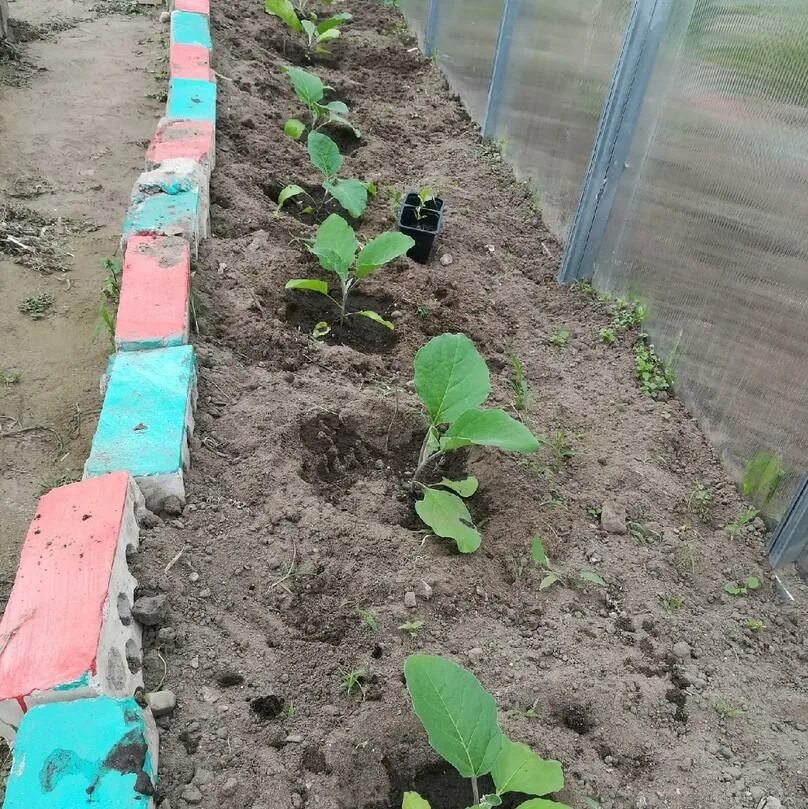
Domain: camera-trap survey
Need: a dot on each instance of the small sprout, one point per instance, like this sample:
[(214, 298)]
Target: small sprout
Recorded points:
[(320, 329), (700, 502), (518, 383), (607, 336), (560, 450), (395, 199), (586, 288), (740, 522), (290, 711), (687, 557), (590, 577), (368, 618), (753, 624), (111, 285), (537, 552), (594, 512), (726, 710), (654, 374), (559, 338), (37, 305), (549, 580), (762, 477), (422, 312), (425, 196), (106, 323), (412, 628), (9, 376), (735, 588), (627, 314), (671, 604), (355, 681)]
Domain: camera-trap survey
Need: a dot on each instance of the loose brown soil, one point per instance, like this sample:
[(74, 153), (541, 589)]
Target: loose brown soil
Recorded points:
[(300, 515)]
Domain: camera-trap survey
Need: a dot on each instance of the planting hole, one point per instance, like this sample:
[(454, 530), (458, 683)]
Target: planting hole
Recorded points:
[(124, 609), (133, 658)]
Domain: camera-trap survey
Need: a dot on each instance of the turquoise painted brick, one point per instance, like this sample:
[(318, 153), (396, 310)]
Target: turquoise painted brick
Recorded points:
[(99, 753), (190, 29), (176, 214), (145, 420), (191, 100)]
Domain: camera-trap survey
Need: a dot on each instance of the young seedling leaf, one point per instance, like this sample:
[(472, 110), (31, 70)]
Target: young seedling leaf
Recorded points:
[(324, 153), (351, 194), (734, 589), (307, 86), (294, 129), (335, 245), (287, 194), (446, 514), (465, 488), (490, 428), (377, 252), (450, 377), (285, 10), (459, 716), (333, 22), (548, 581), (412, 800), (376, 318), (519, 769), (321, 329), (751, 582), (542, 803), (538, 553), (331, 33), (591, 577), (310, 28), (338, 107), (308, 284), (489, 801)]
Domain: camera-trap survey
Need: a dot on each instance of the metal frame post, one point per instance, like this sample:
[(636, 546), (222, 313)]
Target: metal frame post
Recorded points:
[(431, 28), (502, 56), (618, 120), (790, 540)]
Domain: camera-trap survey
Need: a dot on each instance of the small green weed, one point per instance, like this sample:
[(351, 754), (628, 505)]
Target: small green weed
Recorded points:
[(111, 285), (653, 373), (412, 628), (739, 523), (762, 477), (106, 323), (726, 710), (607, 335), (518, 383), (594, 512), (587, 289), (9, 376), (700, 503), (355, 682), (422, 312), (640, 533), (560, 449), (753, 624), (369, 619), (551, 577), (671, 604), (37, 306), (735, 588), (687, 557), (559, 338), (627, 314)]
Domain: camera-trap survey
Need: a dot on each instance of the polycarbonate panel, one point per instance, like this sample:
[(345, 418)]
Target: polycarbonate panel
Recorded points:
[(558, 74), (709, 224), (416, 13), (465, 42)]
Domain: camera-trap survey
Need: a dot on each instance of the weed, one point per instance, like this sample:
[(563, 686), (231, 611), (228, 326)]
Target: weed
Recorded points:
[(111, 285), (740, 522), (518, 383), (753, 624), (586, 288), (726, 710), (671, 604), (290, 711), (607, 335), (551, 576), (653, 373), (762, 477), (594, 512), (700, 503), (422, 312), (310, 90), (335, 246), (37, 306), (559, 338), (368, 618), (9, 376), (560, 450), (460, 719), (627, 314), (53, 478), (395, 199), (412, 628), (687, 557), (353, 682), (640, 533), (106, 323), (735, 588)]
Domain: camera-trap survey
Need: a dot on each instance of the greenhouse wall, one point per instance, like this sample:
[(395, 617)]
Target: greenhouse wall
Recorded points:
[(702, 215)]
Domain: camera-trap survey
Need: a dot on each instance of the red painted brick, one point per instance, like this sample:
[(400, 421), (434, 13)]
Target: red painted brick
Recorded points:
[(51, 628), (192, 140), (190, 62), (153, 310), (194, 6)]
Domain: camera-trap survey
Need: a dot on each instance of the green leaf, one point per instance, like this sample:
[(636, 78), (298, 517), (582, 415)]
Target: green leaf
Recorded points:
[(335, 245), (309, 27), (331, 33), (289, 192), (384, 248), (338, 107), (542, 803), (591, 577), (285, 10), (447, 516), (294, 129), (321, 328), (432, 441), (333, 22), (324, 153), (351, 194), (450, 377), (459, 715), (734, 589), (340, 121), (751, 582), (308, 284), (412, 800), (548, 581), (376, 317), (519, 769), (489, 801), (762, 477), (307, 86), (538, 553), (489, 428), (465, 488)]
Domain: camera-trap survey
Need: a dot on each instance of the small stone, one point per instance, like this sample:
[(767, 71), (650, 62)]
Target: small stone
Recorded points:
[(202, 777), (229, 788), (150, 610), (294, 738), (146, 518), (191, 794), (172, 506), (193, 577), (426, 591), (409, 600), (757, 794), (446, 259), (396, 314), (164, 16), (613, 518), (204, 593), (770, 803), (682, 650), (476, 653), (162, 703)]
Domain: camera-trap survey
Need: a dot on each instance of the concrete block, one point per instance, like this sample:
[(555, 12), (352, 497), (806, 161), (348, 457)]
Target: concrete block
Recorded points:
[(99, 753), (190, 29), (67, 631), (194, 6), (183, 140), (192, 100), (170, 201), (146, 421), (190, 62), (155, 291)]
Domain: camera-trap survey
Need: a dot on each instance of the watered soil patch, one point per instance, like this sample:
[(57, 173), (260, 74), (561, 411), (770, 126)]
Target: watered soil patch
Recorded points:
[(298, 553)]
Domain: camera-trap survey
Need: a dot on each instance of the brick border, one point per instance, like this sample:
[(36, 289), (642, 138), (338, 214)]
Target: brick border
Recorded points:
[(70, 644)]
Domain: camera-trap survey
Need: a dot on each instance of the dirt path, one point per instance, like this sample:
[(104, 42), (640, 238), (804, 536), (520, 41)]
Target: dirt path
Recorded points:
[(74, 118)]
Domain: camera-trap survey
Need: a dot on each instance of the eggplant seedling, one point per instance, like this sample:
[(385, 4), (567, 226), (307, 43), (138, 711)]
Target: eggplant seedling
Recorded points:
[(310, 90), (314, 31), (425, 196), (351, 194), (460, 718), (452, 381), (335, 246)]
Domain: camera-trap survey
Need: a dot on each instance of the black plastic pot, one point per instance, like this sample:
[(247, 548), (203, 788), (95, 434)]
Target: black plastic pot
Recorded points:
[(424, 227)]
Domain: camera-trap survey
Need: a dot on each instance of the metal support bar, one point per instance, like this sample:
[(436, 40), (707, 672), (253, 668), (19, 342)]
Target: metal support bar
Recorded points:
[(431, 28), (501, 58), (621, 111), (790, 540)]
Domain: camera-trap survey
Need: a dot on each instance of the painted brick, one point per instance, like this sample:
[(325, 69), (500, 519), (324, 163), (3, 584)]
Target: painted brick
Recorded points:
[(192, 100), (146, 420), (194, 6), (190, 140), (190, 62), (66, 631), (153, 309), (171, 200), (190, 29), (99, 753)]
